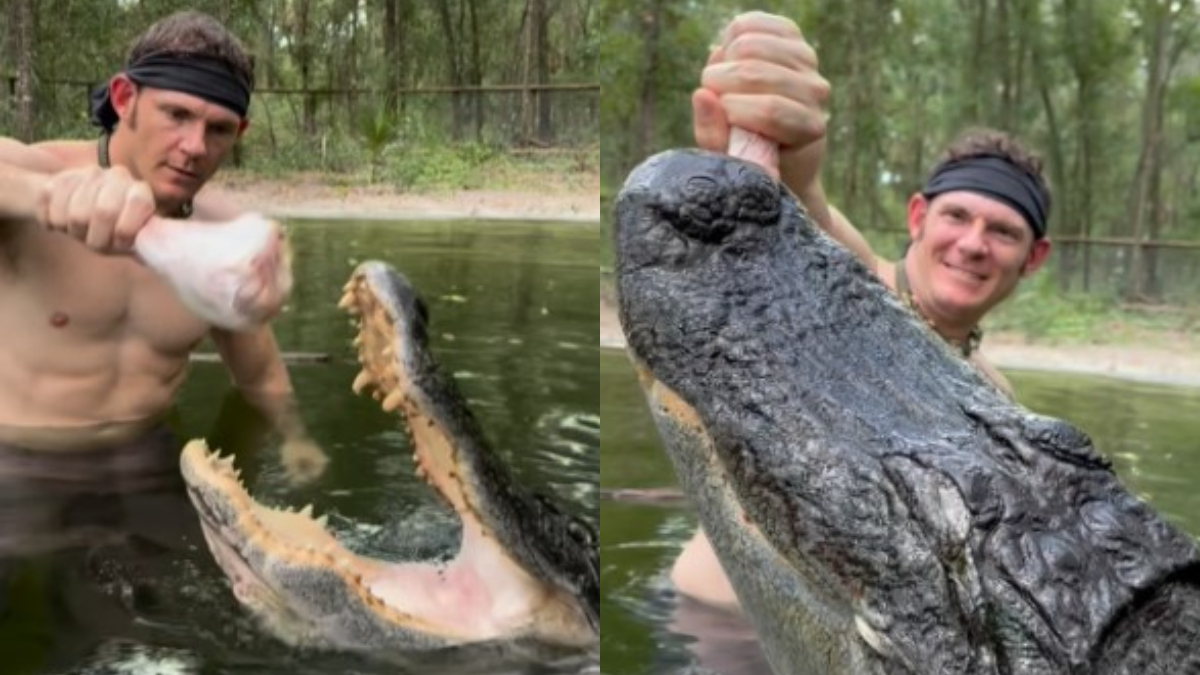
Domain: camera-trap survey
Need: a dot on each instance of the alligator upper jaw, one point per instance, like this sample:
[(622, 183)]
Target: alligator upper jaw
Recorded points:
[(310, 589)]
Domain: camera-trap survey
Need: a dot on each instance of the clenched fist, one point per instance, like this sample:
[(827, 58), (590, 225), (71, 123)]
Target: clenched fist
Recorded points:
[(763, 78), (103, 208)]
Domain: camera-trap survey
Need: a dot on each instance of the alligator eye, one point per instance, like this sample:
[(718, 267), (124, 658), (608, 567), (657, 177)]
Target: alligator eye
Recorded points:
[(700, 188), (546, 503), (581, 532)]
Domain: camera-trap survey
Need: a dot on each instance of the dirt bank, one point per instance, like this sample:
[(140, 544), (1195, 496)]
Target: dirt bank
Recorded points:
[(315, 197)]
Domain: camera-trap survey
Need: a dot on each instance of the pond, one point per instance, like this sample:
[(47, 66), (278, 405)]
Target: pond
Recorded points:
[(1148, 431), (121, 581)]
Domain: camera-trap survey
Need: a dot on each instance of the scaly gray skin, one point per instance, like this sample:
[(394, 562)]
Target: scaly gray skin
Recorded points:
[(310, 591), (878, 505)]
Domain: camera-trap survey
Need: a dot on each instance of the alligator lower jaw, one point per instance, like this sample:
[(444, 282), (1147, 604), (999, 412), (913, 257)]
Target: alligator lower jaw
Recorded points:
[(479, 595)]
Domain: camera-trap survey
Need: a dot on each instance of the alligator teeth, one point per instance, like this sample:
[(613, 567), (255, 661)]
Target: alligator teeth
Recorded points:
[(357, 341), (362, 381), (323, 521), (307, 511), (393, 400)]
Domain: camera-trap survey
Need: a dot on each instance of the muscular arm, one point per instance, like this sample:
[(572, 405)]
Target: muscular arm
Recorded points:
[(258, 371), (23, 169)]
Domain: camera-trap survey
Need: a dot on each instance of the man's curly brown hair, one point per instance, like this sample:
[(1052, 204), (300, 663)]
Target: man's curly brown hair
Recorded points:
[(985, 142), (191, 33)]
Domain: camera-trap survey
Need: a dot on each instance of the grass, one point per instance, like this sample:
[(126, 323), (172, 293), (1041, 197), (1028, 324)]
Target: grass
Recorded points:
[(1038, 312), (384, 159)]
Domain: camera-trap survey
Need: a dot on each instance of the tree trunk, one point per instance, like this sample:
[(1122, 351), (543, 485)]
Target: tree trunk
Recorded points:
[(391, 58), (1157, 20), (21, 29), (453, 65), (303, 53), (476, 68), (352, 62), (977, 71), (1003, 115), (541, 16), (652, 18), (528, 26)]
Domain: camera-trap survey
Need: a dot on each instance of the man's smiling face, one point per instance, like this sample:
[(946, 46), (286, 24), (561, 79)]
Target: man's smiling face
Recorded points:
[(968, 253)]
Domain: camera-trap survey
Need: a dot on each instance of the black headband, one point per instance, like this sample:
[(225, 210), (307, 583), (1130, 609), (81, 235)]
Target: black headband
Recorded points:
[(207, 78), (994, 177)]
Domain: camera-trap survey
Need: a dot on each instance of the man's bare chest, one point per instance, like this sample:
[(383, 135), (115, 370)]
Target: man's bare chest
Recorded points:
[(58, 288)]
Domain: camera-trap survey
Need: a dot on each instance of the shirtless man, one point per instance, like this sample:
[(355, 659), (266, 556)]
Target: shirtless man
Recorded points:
[(977, 227), (96, 345)]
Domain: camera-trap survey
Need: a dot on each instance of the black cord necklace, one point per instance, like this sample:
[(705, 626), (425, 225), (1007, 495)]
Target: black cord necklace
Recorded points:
[(967, 346), (185, 211)]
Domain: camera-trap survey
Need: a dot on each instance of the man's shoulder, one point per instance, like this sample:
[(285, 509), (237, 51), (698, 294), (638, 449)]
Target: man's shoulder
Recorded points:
[(70, 153), (43, 157)]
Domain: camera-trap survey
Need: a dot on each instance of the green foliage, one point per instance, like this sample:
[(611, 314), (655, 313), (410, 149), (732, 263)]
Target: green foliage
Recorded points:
[(1068, 77), (440, 167), (377, 130), (1039, 310), (335, 59), (1041, 313)]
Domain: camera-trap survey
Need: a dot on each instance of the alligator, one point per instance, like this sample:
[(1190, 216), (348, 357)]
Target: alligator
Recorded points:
[(525, 581), (878, 505)]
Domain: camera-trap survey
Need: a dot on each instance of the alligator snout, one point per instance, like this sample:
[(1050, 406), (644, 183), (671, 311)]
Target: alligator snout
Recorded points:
[(703, 198)]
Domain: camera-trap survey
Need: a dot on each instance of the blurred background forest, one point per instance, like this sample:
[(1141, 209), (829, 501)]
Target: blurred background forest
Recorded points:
[(412, 92), (1108, 91)]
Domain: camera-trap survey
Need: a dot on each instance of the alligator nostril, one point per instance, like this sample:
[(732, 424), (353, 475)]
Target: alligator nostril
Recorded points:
[(757, 195), (700, 209)]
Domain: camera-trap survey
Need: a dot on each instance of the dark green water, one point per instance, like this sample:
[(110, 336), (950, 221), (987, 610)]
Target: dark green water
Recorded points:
[(1151, 432), (122, 583)]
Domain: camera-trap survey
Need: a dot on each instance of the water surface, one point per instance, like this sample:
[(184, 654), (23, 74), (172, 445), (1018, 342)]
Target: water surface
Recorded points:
[(111, 578), (1149, 431)]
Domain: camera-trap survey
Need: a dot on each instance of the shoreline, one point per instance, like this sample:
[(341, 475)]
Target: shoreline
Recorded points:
[(311, 197), (578, 201)]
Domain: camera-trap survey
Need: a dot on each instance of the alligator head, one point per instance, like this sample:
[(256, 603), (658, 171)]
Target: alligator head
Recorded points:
[(526, 573), (878, 506)]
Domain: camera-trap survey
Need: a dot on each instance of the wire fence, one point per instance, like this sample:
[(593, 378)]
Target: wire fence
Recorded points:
[(323, 125), (1104, 266)]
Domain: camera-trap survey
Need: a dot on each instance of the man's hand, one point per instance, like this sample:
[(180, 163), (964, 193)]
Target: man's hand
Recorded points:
[(103, 208), (302, 459), (763, 78)]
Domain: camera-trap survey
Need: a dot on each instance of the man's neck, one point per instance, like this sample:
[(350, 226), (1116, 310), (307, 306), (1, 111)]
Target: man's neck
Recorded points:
[(964, 334), (956, 332), (112, 150)]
